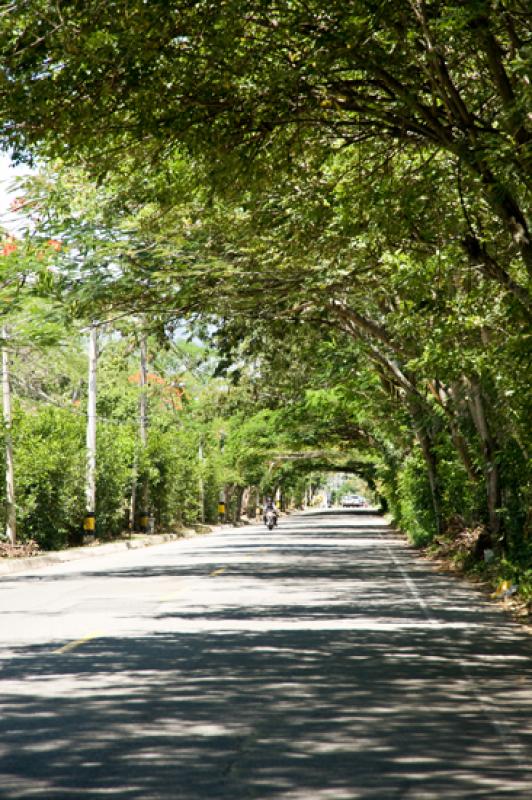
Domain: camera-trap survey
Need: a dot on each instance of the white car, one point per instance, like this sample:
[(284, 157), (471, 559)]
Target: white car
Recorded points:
[(353, 501), (347, 501)]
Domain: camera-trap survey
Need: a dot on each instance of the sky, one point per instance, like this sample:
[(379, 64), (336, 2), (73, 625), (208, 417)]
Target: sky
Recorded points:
[(8, 174)]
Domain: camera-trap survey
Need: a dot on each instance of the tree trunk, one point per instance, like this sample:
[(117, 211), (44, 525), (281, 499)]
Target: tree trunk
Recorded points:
[(11, 514), (246, 496), (425, 442), (133, 500), (478, 255), (201, 485), (143, 414), (256, 502), (238, 506), (228, 491), (447, 399), (432, 471), (491, 469), (90, 488)]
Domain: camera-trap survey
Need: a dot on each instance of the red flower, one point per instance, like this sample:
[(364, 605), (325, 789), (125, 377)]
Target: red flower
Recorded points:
[(9, 245), (17, 203)]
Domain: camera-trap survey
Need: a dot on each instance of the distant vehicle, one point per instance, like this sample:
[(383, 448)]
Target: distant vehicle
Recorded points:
[(353, 501)]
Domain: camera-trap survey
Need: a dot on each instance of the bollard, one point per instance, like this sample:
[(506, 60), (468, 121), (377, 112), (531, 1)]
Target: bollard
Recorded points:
[(144, 521), (89, 522)]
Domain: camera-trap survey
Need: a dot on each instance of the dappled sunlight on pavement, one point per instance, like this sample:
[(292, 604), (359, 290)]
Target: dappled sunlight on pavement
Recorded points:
[(318, 662)]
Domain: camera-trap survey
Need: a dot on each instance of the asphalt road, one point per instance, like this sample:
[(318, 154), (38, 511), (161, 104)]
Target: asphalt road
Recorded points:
[(323, 661)]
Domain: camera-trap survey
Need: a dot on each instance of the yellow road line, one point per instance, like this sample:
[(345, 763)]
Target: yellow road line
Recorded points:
[(217, 571), (171, 596), (77, 643)]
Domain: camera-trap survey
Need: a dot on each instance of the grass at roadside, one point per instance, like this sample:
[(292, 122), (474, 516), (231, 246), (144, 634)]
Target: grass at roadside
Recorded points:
[(506, 576)]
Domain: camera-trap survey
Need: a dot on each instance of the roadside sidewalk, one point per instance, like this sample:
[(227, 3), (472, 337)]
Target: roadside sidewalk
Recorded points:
[(136, 542)]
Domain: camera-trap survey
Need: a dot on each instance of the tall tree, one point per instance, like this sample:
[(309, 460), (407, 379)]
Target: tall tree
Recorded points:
[(11, 514), (90, 486)]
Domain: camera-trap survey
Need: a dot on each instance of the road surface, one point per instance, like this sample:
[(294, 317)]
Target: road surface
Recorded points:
[(323, 661)]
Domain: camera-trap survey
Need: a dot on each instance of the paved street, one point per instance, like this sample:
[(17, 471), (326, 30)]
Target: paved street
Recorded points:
[(323, 661)]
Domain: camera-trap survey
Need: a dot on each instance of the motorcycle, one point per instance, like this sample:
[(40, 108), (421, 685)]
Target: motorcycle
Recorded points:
[(270, 519)]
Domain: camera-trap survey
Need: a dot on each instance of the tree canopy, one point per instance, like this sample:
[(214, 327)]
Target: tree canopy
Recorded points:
[(238, 80), (336, 195)]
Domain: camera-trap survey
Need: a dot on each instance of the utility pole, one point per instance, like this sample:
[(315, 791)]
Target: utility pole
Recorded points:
[(143, 426), (89, 524), (143, 390), (201, 485), (133, 501), (11, 514)]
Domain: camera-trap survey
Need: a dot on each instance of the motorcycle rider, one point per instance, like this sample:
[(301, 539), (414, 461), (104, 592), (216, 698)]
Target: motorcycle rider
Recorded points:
[(269, 505)]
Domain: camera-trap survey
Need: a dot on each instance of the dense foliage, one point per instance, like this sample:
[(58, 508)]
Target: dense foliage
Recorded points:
[(338, 196), (184, 484)]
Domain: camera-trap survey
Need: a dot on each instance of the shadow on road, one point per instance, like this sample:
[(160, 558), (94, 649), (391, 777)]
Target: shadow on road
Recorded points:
[(358, 692)]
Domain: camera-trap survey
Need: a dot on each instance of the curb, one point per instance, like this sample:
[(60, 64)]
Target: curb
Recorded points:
[(9, 566)]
